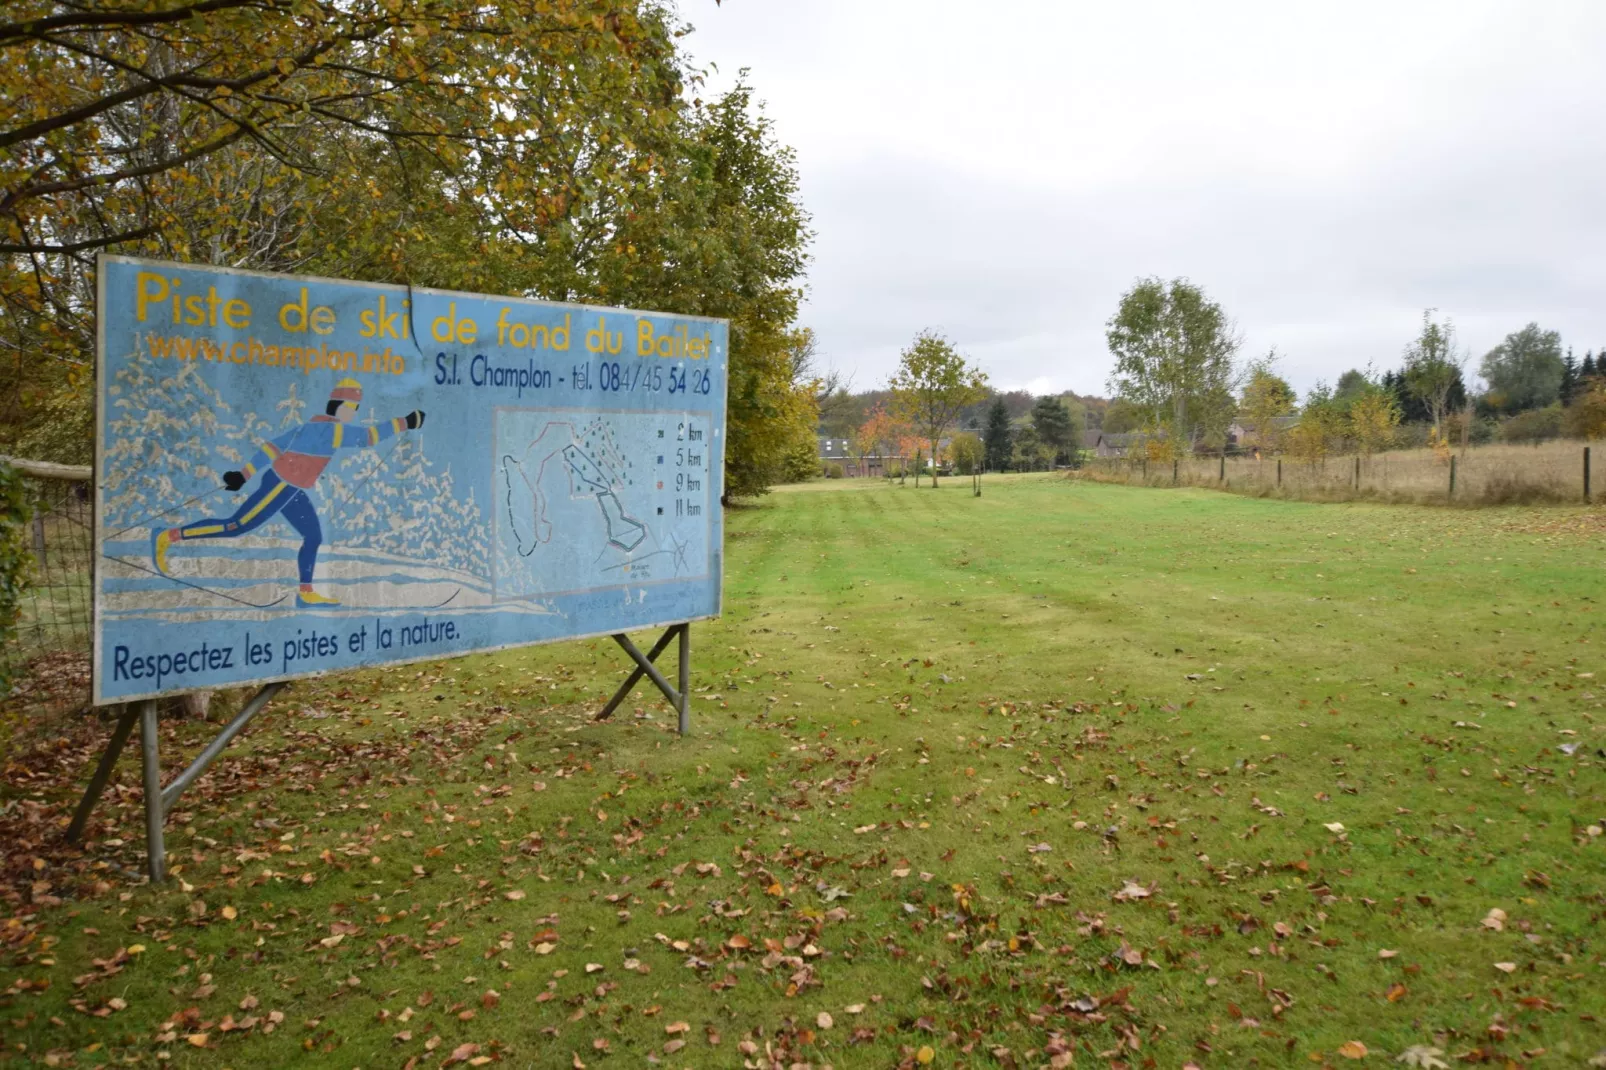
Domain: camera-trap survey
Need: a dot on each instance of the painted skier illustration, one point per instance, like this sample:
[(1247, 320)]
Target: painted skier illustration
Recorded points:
[(290, 466)]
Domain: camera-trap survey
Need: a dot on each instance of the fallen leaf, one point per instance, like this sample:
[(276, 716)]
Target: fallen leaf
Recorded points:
[(1352, 1049), (1495, 919), (1132, 890), (515, 895), (677, 1027), (1335, 827), (823, 1020), (1506, 967), (925, 1055), (462, 1054), (1385, 953), (1420, 1055)]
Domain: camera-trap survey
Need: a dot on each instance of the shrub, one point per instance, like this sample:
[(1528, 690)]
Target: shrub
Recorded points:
[(1586, 417), (833, 471), (1535, 425)]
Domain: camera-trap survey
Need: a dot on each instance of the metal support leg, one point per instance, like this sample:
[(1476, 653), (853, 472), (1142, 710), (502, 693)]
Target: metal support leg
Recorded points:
[(103, 772), (155, 852), (679, 697), (649, 668), (635, 676), (685, 676), (171, 793)]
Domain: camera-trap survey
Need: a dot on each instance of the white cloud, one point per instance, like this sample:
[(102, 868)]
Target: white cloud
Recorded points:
[(1003, 173)]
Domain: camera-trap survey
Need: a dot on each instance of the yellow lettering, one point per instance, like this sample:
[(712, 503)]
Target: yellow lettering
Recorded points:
[(323, 320), (236, 314), (644, 340), (449, 328), (144, 294), (296, 310), (193, 314)]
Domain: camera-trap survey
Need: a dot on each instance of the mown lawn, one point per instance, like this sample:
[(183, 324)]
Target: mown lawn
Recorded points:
[(1065, 775)]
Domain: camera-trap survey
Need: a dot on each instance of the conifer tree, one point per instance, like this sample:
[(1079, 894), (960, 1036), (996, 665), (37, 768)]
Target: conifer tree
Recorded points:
[(997, 436)]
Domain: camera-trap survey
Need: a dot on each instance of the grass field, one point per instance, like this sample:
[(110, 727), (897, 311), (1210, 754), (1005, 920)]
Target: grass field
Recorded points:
[(1069, 774)]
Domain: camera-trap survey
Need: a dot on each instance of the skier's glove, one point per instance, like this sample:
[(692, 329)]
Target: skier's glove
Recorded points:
[(234, 480), (415, 419)]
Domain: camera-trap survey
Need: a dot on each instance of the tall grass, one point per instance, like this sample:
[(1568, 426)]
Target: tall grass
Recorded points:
[(1484, 475)]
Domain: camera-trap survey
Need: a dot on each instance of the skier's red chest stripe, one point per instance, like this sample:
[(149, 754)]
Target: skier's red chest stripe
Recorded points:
[(306, 456)]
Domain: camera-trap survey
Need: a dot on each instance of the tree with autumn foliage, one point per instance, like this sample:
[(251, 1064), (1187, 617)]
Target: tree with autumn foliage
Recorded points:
[(1266, 397), (1373, 416), (547, 149), (933, 382), (878, 437)]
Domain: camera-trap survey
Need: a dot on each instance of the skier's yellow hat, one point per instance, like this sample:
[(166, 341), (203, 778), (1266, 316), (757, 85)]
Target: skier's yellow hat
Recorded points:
[(347, 390)]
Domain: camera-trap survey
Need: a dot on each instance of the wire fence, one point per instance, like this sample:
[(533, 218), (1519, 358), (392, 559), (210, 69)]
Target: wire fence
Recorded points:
[(57, 600), (1557, 471)]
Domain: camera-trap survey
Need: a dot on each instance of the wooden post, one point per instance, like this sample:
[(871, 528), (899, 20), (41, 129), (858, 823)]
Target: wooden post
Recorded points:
[(1452, 477), (1222, 475), (1279, 471), (1586, 475), (1357, 471), (1173, 471)]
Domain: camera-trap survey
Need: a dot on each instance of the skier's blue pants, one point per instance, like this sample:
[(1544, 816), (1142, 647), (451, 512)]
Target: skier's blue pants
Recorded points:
[(273, 497)]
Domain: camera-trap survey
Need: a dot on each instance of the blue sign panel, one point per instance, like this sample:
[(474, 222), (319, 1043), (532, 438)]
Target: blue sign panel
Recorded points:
[(299, 475)]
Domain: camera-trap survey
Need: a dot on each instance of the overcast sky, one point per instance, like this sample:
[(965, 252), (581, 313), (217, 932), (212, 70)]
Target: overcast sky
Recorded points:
[(1002, 172)]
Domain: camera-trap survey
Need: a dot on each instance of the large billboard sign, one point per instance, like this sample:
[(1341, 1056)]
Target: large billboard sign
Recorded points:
[(297, 475)]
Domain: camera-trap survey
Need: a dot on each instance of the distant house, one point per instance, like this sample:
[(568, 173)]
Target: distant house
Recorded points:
[(1106, 444), (840, 451), (1241, 434)]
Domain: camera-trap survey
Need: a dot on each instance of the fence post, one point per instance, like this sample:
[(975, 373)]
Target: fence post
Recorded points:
[(1452, 476), (1279, 471), (39, 537), (1586, 475), (1223, 474), (1146, 472), (1357, 471), (1173, 471)]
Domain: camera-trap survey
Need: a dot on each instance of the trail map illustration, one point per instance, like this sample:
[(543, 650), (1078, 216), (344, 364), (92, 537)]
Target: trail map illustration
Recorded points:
[(600, 500), (296, 475)]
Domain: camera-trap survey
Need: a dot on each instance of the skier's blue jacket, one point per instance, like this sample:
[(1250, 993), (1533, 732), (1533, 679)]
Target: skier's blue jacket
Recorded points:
[(300, 456)]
